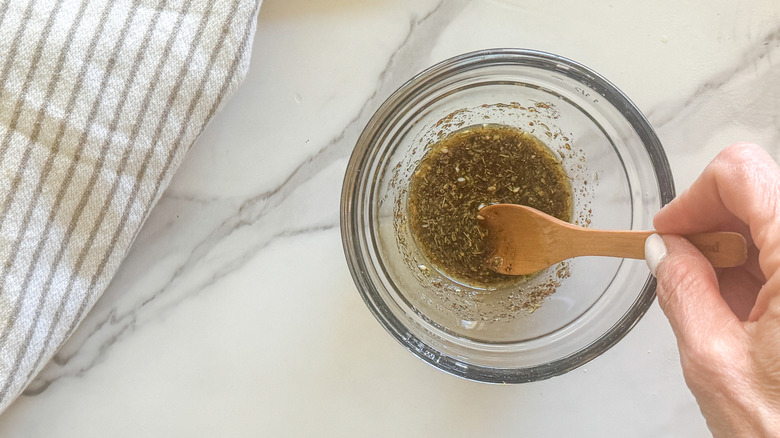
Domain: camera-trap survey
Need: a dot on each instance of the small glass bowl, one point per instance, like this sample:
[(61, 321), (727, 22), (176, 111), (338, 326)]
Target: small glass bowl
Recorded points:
[(559, 319)]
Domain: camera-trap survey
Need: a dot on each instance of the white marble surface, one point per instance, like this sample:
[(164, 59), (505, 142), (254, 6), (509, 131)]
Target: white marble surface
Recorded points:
[(209, 329)]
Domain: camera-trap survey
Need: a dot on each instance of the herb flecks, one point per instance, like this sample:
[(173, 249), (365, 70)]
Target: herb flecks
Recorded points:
[(472, 168)]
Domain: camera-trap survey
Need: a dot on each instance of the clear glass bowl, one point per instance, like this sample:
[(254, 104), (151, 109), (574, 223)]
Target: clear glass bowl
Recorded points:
[(620, 177)]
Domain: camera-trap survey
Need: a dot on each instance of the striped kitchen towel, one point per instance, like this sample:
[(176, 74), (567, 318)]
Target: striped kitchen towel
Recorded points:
[(99, 102)]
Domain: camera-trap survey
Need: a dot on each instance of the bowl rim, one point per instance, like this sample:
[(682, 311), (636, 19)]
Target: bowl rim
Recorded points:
[(350, 220)]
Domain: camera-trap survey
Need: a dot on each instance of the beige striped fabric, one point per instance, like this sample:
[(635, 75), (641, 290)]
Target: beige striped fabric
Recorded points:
[(99, 102)]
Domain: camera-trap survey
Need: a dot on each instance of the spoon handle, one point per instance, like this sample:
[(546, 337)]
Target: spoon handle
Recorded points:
[(723, 249)]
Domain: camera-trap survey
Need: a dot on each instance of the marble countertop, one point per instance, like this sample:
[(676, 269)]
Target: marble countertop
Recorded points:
[(209, 328)]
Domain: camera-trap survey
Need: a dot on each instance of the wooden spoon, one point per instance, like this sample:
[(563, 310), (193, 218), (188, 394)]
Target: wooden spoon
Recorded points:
[(525, 240)]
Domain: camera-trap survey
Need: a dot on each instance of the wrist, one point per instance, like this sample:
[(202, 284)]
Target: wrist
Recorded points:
[(747, 414)]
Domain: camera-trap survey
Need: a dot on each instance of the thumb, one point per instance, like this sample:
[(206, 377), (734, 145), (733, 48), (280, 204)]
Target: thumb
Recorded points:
[(687, 291)]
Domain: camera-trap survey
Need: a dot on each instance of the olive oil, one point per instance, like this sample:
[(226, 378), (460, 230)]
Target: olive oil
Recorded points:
[(472, 168)]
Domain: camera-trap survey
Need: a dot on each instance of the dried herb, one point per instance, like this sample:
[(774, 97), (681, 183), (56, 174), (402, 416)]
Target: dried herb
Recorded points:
[(472, 168)]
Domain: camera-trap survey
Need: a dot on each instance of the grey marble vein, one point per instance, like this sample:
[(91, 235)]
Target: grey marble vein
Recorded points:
[(767, 49), (107, 323)]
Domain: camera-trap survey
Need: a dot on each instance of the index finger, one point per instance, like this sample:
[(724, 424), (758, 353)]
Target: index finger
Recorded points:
[(739, 191)]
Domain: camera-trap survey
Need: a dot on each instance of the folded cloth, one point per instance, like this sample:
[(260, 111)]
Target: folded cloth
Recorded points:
[(99, 102)]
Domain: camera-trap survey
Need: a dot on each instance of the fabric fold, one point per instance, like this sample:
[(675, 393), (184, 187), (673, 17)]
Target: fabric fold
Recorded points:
[(99, 102)]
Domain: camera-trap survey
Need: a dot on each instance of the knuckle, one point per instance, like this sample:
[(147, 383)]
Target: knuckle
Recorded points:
[(744, 162), (715, 356), (742, 152), (675, 281)]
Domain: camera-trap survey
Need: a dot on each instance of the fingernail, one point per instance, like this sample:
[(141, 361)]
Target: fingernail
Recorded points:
[(655, 251)]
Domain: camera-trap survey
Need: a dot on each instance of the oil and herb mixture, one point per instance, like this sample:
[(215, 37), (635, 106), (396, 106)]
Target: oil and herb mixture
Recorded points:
[(472, 168)]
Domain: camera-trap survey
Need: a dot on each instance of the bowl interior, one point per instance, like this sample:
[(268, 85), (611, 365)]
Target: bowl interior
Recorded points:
[(569, 313)]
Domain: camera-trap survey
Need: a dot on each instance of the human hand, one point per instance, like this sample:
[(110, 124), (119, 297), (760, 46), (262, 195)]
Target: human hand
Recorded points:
[(727, 322)]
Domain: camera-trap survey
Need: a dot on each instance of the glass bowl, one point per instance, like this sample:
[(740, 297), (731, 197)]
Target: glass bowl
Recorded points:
[(536, 328)]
